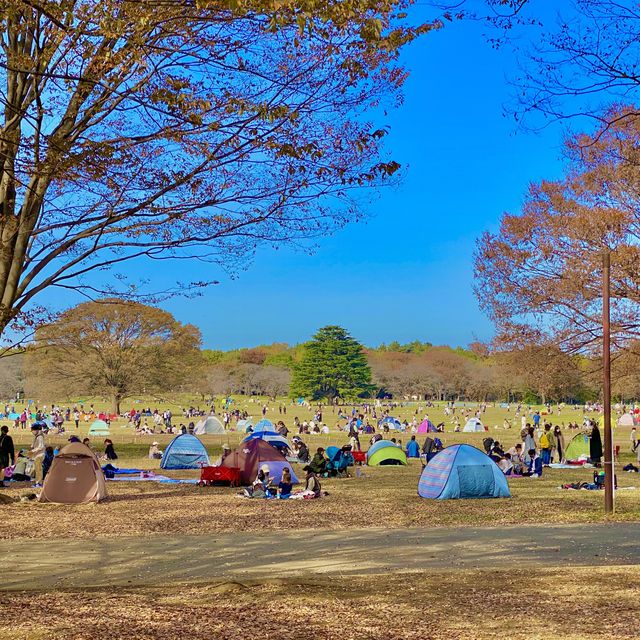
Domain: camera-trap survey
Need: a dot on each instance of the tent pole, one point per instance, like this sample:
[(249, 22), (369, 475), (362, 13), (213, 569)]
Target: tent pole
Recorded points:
[(606, 387)]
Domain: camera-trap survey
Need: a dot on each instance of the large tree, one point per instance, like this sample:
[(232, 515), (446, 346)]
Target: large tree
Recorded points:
[(333, 365), (183, 128), (539, 276), (114, 347)]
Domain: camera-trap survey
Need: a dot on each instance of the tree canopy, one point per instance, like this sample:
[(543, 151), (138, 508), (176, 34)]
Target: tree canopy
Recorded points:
[(539, 277), (333, 365), (114, 347), (178, 129)]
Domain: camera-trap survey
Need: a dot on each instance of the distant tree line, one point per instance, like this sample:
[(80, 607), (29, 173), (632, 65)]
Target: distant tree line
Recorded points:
[(118, 349)]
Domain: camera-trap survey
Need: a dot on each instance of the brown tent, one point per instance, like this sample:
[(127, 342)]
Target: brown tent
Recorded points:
[(75, 477), (251, 455)]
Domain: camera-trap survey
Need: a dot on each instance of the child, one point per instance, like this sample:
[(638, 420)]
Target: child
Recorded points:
[(46, 461)]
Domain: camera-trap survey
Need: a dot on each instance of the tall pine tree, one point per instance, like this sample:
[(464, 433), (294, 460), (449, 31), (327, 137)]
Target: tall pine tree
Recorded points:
[(333, 365)]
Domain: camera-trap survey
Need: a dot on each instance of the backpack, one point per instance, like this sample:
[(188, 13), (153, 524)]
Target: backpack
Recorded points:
[(544, 441)]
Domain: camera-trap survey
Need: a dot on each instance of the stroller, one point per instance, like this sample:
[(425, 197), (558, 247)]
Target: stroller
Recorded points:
[(339, 461)]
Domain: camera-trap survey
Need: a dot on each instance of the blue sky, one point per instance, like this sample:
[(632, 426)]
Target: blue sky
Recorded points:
[(405, 274)]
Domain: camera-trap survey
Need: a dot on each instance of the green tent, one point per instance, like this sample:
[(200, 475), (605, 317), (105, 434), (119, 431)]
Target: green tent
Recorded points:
[(99, 428), (579, 446), (385, 452)]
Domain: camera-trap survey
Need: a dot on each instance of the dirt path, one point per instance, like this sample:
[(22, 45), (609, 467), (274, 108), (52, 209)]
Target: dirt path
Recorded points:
[(152, 561)]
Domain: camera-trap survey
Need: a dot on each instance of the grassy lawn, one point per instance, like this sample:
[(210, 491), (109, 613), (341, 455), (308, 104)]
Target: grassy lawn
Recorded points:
[(569, 604), (383, 496)]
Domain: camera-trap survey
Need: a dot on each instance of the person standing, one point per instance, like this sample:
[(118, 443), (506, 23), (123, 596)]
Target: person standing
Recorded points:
[(595, 446), (37, 451), (634, 439), (529, 443), (557, 432), (7, 452)]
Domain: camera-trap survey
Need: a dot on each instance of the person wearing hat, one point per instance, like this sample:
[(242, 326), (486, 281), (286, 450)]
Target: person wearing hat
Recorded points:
[(319, 463), (37, 451), (154, 452), (226, 450)]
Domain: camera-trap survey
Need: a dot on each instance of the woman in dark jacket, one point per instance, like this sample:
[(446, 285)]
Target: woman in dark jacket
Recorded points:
[(109, 451), (595, 446), (7, 452)]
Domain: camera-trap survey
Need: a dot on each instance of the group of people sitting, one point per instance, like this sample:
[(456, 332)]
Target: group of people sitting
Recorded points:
[(266, 487)]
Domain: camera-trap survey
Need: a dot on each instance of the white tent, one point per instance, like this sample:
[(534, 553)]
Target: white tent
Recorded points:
[(626, 420), (473, 425), (209, 425)]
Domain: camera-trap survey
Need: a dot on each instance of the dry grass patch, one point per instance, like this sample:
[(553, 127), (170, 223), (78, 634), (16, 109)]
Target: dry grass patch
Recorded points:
[(580, 604)]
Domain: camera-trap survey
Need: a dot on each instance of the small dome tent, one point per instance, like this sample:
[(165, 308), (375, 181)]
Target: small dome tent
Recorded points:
[(210, 425), (264, 425), (385, 452), (184, 452), (473, 425), (626, 420), (75, 477), (426, 426), (272, 437), (253, 454), (462, 471), (391, 423), (99, 428), (578, 448), (244, 426)]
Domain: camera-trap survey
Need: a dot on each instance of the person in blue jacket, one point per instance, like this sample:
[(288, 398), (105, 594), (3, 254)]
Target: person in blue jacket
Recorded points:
[(413, 450), (534, 466)]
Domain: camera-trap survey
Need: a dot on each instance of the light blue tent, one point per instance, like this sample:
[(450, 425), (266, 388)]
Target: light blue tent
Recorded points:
[(462, 471), (184, 452), (272, 437), (391, 423), (264, 425)]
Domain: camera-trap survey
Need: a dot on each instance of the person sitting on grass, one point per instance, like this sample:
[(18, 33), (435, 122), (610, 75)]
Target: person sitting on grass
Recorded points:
[(534, 466), (516, 458), (154, 452), (261, 485), (20, 468), (285, 485), (46, 462), (505, 464), (319, 463), (312, 488), (109, 451)]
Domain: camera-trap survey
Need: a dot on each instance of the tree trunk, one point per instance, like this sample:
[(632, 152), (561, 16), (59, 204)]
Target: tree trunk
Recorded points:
[(115, 404)]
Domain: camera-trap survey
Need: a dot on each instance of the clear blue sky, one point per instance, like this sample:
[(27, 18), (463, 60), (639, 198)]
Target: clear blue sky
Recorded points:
[(406, 274)]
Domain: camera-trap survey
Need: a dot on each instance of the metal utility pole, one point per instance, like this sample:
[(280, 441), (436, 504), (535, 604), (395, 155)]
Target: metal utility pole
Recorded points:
[(606, 387)]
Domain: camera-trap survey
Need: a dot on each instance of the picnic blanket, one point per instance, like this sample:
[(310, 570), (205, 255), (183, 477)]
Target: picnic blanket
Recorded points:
[(154, 478)]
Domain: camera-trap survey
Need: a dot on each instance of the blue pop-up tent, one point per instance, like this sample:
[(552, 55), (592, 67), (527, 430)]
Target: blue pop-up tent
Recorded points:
[(184, 452), (462, 471)]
